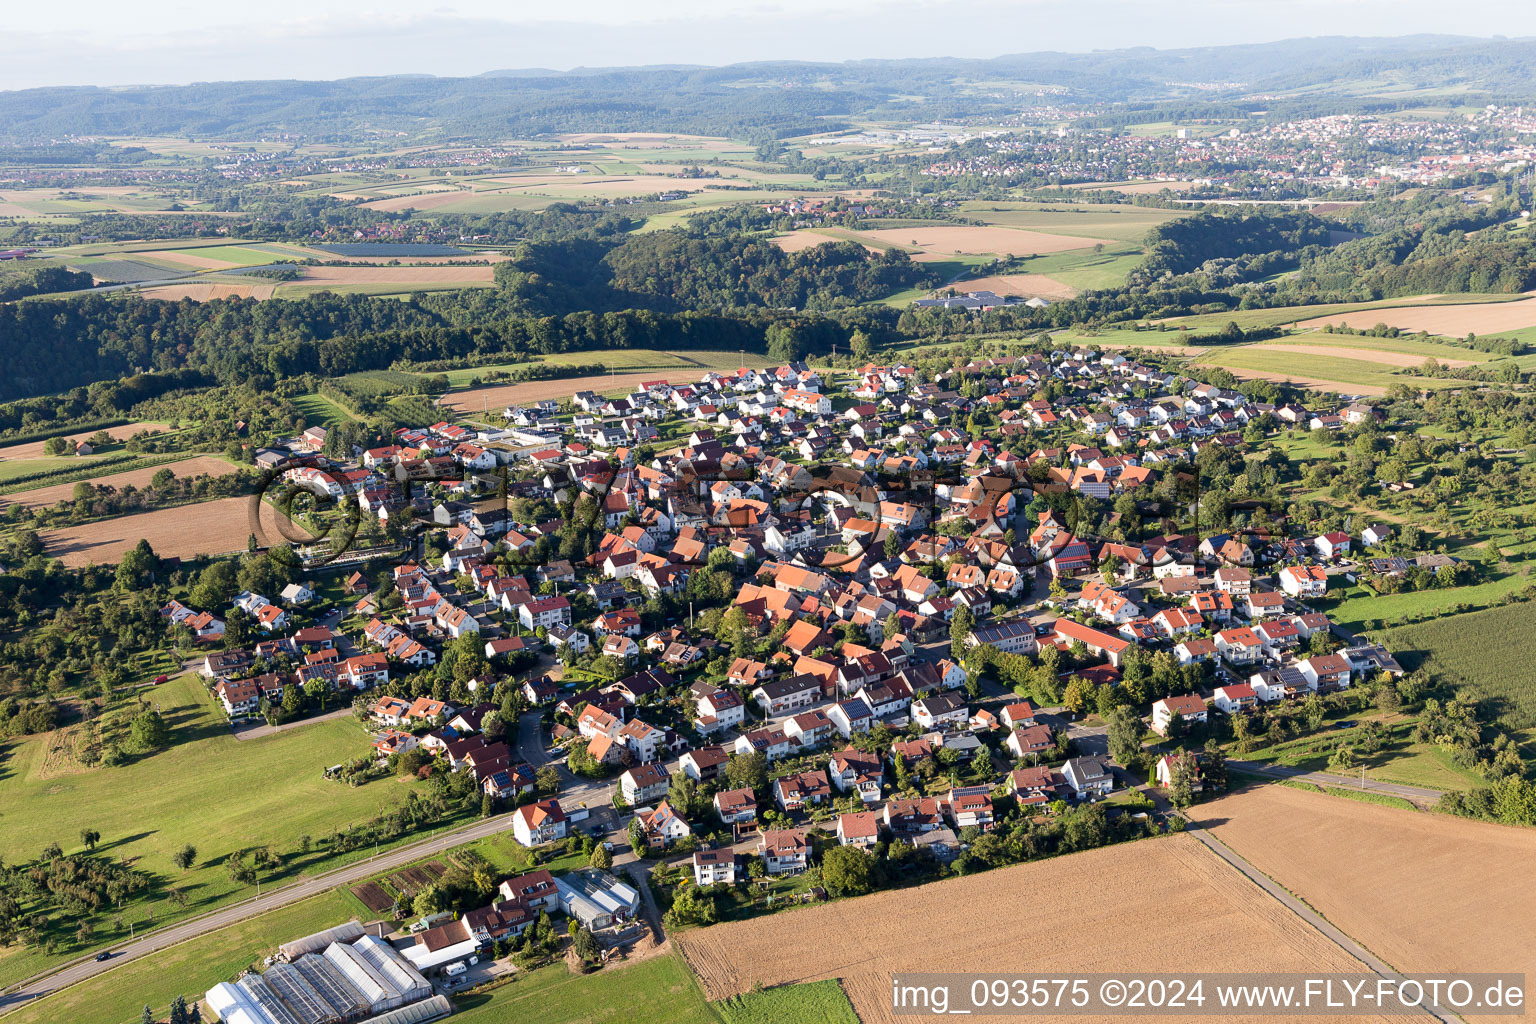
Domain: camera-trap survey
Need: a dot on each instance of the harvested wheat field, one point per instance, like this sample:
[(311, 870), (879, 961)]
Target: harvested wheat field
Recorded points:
[(424, 202), (403, 276), (189, 258), (1370, 355), (209, 528), (798, 241), (202, 465), (1455, 321), (34, 449), (1424, 892), (1027, 285), (206, 292), (492, 400), (981, 241), (1164, 904)]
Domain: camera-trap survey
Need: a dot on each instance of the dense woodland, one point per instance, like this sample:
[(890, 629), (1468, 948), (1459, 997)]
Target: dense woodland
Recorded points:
[(770, 99)]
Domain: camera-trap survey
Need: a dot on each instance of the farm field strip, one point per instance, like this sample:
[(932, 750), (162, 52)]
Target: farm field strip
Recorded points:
[(1104, 899), (52, 494), (1322, 372), (1364, 867), (34, 449), (186, 531), (1000, 241), (1452, 320)]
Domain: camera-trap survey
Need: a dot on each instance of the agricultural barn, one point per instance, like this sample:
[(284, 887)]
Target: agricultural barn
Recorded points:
[(360, 980)]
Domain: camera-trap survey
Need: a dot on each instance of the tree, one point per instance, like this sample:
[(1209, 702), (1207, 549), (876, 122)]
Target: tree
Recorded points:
[(847, 871), (240, 872), (747, 771), (584, 945), (960, 627), (601, 858), (148, 1016), (1124, 734), (1181, 784), (149, 731), (89, 837), (317, 689), (892, 544), (487, 805), (179, 1010), (137, 566), (1343, 758), (1214, 768), (184, 857), (548, 780), (1078, 695)]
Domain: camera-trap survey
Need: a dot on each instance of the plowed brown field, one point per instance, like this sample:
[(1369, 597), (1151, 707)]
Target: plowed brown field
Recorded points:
[(209, 528), (1424, 892), (1158, 905)]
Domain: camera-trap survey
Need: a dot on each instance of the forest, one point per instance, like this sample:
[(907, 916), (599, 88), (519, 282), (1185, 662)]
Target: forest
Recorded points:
[(771, 99), (677, 270)]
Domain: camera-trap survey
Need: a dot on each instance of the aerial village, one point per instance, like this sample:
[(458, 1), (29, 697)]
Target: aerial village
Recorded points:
[(826, 611)]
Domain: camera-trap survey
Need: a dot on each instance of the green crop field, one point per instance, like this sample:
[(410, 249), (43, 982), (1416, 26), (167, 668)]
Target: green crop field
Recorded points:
[(817, 1002), (1408, 345), (658, 990), (320, 411), (1085, 269), (1357, 606), (1309, 366), (220, 794), (189, 969), (378, 382), (1489, 652)]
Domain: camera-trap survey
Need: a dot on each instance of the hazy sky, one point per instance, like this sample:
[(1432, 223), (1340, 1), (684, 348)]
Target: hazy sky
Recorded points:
[(117, 42)]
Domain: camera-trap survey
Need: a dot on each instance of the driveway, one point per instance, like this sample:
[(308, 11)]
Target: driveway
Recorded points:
[(249, 730)]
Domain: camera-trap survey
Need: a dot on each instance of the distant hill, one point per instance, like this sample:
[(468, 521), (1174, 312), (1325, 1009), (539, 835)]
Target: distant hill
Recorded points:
[(775, 98)]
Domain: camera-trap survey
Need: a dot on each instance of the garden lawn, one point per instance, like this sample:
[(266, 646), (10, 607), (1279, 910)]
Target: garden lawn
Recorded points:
[(189, 969), (657, 990), (220, 794)]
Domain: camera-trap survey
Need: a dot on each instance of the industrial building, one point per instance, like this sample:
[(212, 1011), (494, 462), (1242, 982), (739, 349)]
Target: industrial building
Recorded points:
[(338, 976)]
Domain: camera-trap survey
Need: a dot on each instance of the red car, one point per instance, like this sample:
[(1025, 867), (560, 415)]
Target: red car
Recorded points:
[(162, 679)]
